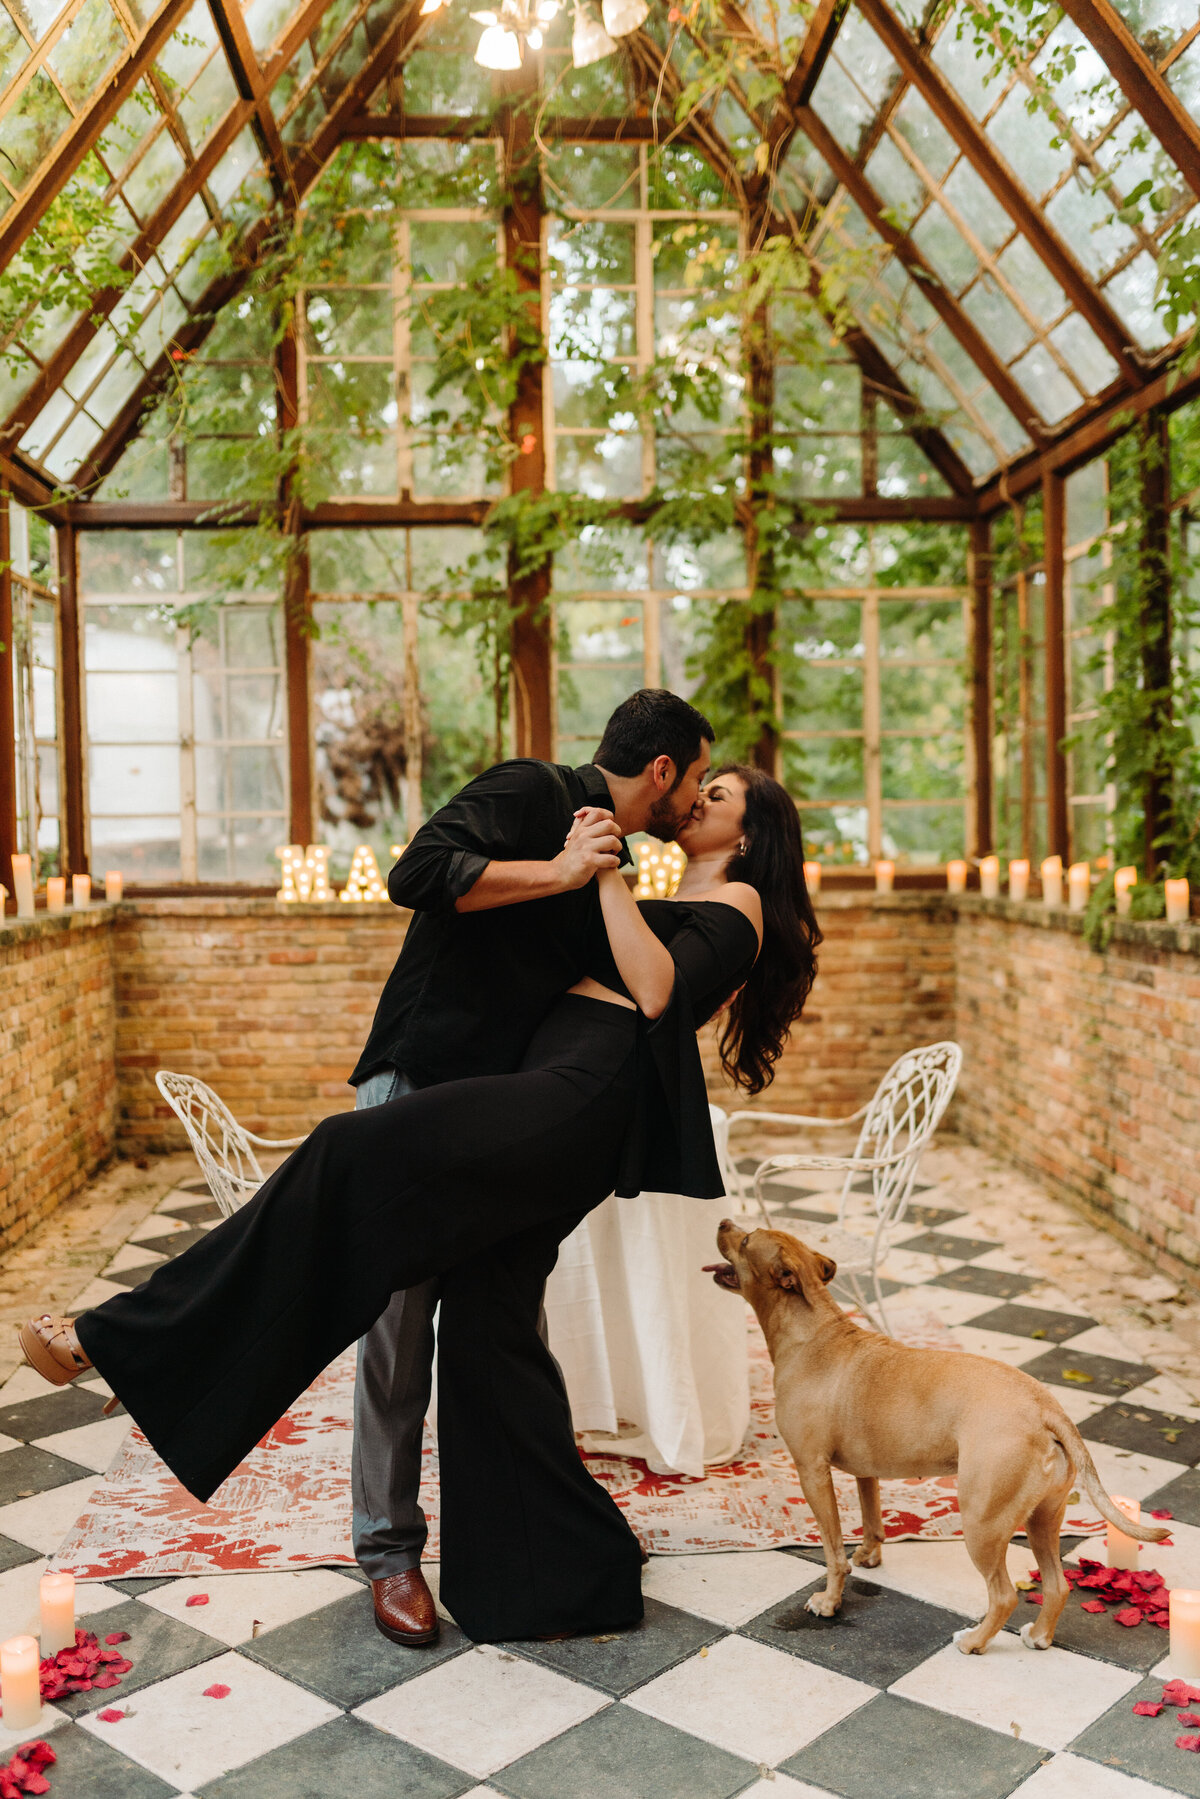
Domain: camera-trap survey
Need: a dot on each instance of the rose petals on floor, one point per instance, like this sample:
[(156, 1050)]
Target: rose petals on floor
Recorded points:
[(217, 1691), (86, 1666), (23, 1774)]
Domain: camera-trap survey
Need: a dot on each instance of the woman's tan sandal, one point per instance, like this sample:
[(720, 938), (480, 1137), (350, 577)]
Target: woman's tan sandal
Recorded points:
[(52, 1349)]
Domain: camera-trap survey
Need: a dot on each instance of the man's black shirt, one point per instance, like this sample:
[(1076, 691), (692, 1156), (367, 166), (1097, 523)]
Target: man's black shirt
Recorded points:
[(469, 988)]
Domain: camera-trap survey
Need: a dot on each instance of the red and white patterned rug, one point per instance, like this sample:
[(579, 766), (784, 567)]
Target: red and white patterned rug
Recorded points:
[(288, 1505)]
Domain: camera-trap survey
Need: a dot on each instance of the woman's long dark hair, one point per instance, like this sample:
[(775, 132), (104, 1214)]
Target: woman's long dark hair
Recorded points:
[(758, 1022)]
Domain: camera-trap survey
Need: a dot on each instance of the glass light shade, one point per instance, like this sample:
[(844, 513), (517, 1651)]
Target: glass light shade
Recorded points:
[(623, 16), (430, 6), (498, 48), (534, 38), (589, 41), (547, 11)]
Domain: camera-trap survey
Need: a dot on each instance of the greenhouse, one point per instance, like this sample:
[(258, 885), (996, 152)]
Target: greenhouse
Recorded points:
[(393, 393)]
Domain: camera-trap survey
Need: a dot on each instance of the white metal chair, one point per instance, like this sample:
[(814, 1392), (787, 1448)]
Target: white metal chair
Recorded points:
[(898, 1124), (222, 1146)]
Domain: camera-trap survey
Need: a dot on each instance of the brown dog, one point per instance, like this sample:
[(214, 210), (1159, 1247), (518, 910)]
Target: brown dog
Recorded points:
[(849, 1398)]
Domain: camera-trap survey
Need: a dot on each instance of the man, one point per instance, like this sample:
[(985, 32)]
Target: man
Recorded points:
[(503, 913)]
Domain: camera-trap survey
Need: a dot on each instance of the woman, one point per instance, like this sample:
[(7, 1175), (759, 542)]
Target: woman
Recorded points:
[(479, 1180)]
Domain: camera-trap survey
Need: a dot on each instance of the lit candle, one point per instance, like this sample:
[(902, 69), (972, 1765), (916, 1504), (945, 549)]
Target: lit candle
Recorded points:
[(56, 894), (989, 877), (1184, 1657), (956, 877), (81, 890), (56, 1591), (114, 886), (1178, 902), (885, 876), (1052, 881), (1123, 1549), (23, 883), (20, 1687), (1079, 885), (1018, 880), (812, 876), (1123, 881)]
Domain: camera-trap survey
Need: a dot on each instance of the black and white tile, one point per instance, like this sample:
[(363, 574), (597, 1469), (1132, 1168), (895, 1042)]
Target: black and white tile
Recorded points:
[(729, 1687)]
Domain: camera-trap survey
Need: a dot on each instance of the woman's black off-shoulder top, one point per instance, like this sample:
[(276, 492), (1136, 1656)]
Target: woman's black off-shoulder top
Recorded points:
[(669, 1147)]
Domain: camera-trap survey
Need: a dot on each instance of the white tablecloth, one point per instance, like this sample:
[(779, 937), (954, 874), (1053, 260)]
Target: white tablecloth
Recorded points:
[(644, 1337)]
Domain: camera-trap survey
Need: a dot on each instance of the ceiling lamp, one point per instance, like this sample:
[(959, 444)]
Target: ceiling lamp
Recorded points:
[(623, 16), (589, 40), (506, 32)]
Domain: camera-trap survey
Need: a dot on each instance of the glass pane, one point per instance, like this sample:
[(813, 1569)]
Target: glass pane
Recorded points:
[(826, 768), (444, 252), (140, 778), (592, 250), (586, 324), (924, 836), (134, 705), (602, 467), (997, 318), (610, 556), (359, 722), (916, 698), (921, 628), (145, 849), (597, 175), (587, 697), (1082, 350), (820, 465), (1052, 393), (917, 123), (349, 321)]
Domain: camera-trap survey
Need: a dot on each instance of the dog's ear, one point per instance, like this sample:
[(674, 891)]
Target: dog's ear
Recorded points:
[(828, 1268), (785, 1276)]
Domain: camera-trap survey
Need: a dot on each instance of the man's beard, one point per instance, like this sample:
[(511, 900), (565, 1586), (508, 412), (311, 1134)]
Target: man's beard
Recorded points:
[(664, 821)]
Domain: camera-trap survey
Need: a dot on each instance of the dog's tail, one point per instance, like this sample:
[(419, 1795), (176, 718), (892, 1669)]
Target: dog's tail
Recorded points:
[(1078, 1453)]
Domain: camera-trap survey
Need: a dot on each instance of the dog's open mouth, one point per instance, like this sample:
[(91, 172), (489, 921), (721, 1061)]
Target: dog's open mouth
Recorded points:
[(723, 1275)]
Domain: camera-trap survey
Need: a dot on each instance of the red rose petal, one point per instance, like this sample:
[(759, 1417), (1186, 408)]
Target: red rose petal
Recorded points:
[(107, 1680), (1035, 1599), (196, 1599), (110, 1716), (1129, 1617), (1192, 1743), (1093, 1605), (1146, 1708), (217, 1691), (1178, 1692), (116, 1636), (1162, 1512)]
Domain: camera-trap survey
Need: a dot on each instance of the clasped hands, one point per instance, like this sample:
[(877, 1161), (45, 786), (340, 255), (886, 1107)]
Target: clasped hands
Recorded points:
[(592, 847)]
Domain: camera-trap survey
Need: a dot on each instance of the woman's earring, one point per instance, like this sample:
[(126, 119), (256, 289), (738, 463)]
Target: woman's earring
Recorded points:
[(742, 847)]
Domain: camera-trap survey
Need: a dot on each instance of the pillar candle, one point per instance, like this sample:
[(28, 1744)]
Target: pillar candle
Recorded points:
[(3, 900), (23, 885), (1018, 880), (1184, 1658), (956, 877), (1123, 1549), (56, 894), (20, 1687), (81, 890), (1052, 881), (885, 876), (989, 877), (114, 886), (812, 876), (1123, 880), (1178, 902), (1079, 885), (56, 1591)]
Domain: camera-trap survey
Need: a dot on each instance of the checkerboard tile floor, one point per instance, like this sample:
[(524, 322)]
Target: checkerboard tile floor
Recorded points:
[(728, 1687)]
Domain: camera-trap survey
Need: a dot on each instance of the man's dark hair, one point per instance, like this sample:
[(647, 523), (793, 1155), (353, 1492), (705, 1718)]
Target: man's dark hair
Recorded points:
[(650, 723)]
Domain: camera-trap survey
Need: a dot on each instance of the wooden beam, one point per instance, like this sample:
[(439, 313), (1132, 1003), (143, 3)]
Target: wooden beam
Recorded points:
[(250, 82), (823, 27), (1168, 118), (529, 594), (961, 326), (1091, 437), (399, 36), (86, 130), (1054, 527), (8, 713), (626, 129), (1155, 556), (297, 606), (71, 700), (981, 682), (165, 215), (25, 485), (1028, 217)]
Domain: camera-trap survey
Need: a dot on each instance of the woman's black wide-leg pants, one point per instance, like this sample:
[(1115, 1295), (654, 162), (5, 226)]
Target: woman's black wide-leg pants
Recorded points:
[(483, 1177)]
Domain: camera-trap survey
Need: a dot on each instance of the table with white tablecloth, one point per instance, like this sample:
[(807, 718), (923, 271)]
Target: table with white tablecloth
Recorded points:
[(645, 1338)]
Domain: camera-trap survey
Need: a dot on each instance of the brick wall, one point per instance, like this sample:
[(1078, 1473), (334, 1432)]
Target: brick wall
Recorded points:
[(269, 1004), (1084, 1069), (57, 1078)]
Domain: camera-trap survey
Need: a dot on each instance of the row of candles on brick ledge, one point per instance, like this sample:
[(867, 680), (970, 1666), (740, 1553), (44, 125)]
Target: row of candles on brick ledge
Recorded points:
[(1079, 885), (20, 1684), (56, 889)]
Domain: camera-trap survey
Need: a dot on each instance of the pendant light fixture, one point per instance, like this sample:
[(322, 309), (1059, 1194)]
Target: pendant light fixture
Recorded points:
[(589, 41), (517, 23), (623, 16)]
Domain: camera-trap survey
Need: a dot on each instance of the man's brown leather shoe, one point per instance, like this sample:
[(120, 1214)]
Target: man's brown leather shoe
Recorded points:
[(404, 1609)]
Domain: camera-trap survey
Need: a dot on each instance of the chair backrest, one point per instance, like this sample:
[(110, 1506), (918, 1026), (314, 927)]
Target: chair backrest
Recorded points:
[(903, 1115), (720, 1129), (221, 1146)]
